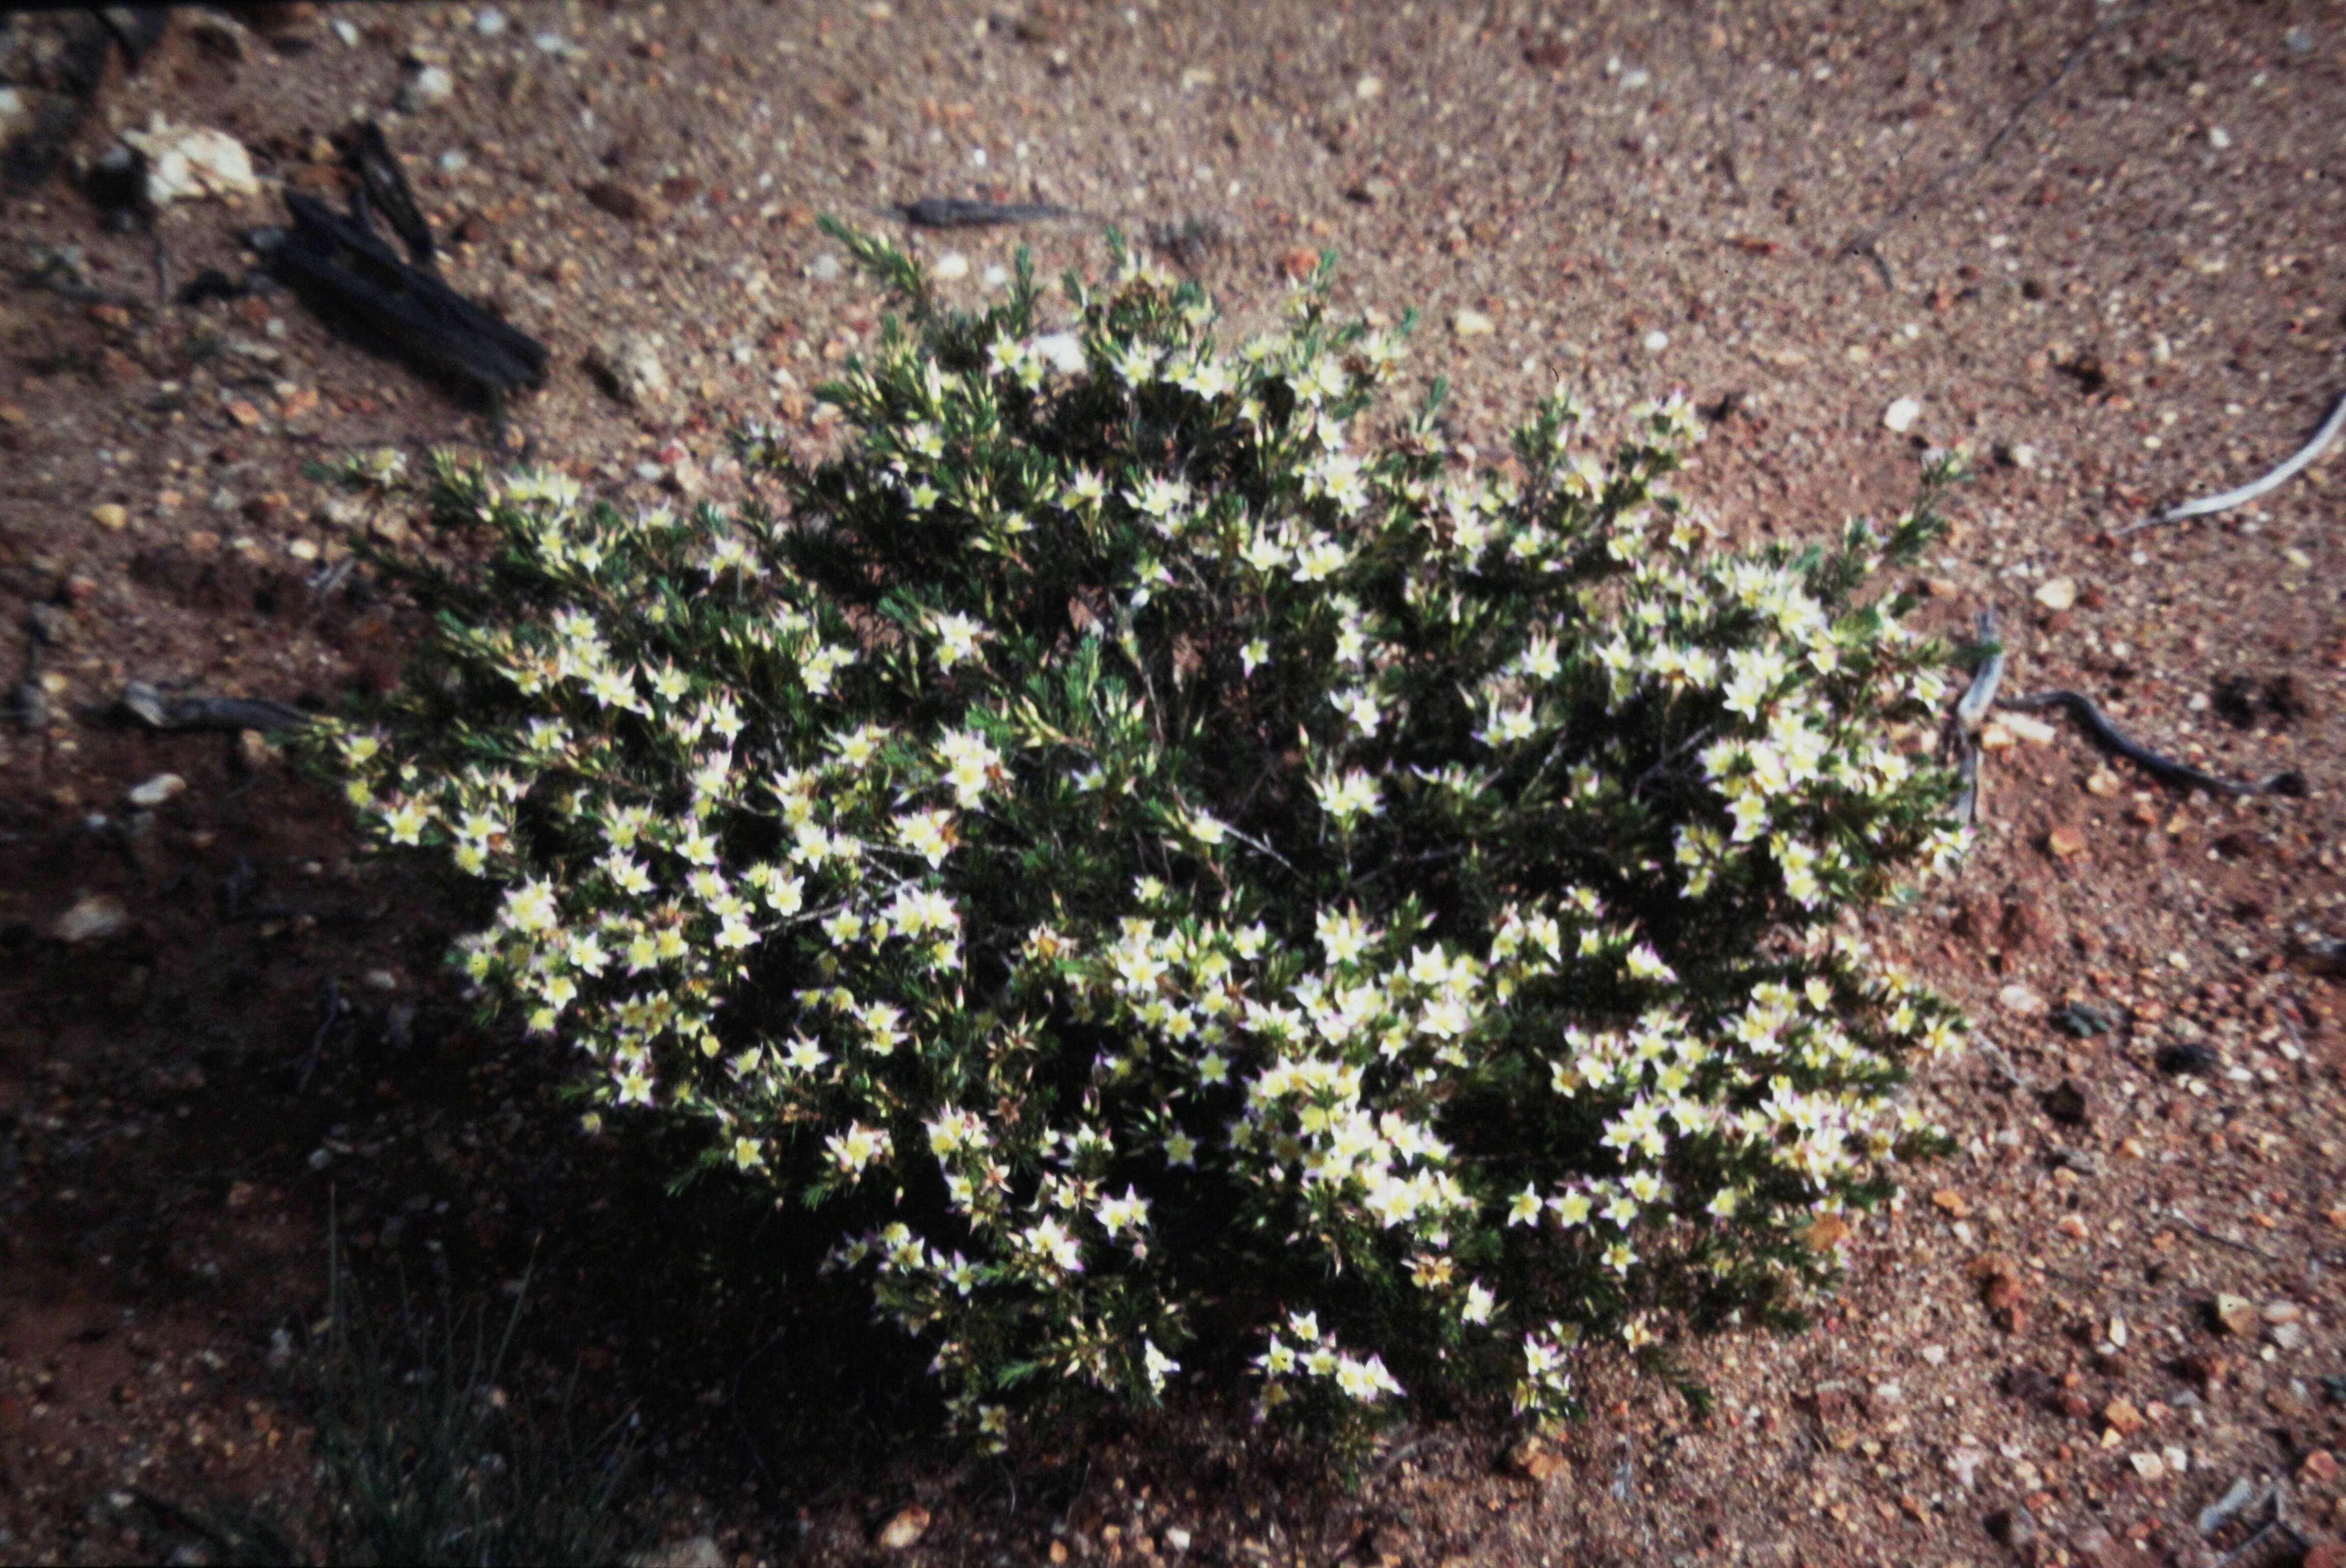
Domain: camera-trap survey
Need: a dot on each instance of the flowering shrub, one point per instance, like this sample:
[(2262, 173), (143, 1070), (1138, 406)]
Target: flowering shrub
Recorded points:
[(1184, 878)]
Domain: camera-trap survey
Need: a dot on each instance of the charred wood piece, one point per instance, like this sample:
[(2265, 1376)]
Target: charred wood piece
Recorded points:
[(346, 273)]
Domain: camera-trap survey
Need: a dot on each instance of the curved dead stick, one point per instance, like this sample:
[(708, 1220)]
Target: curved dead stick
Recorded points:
[(157, 710), (2210, 505), (2167, 769)]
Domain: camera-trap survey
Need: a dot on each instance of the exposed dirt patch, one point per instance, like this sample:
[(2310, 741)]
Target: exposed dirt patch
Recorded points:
[(2138, 302)]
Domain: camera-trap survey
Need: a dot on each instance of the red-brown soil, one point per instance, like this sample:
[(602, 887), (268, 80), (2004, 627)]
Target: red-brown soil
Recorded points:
[(2137, 300)]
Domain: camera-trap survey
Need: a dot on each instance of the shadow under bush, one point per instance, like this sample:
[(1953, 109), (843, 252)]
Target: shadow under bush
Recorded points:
[(426, 1456)]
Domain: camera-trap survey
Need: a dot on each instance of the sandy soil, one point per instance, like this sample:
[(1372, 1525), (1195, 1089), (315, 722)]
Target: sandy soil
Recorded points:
[(2137, 300)]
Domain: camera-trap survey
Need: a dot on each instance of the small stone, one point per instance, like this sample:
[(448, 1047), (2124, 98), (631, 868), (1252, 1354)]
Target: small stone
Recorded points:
[(628, 366), (1950, 1202), (1657, 340), (1177, 1539), (2065, 843), (2218, 138), (2066, 1103), (93, 918), (1900, 416), (2103, 782), (2287, 1336), (2318, 1468), (1472, 324), (825, 268), (112, 514), (905, 1531), (489, 22), (1367, 87), (2279, 1311), (693, 1552), (2018, 998), (624, 202), (2324, 1553), (430, 87), (2234, 1315), (2035, 731), (2122, 1418), (157, 791), (188, 163), (951, 266), (2148, 1465), (2058, 595), (2024, 458), (1963, 1465)]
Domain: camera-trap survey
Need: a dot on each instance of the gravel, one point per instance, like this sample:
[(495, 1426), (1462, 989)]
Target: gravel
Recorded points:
[(1705, 211)]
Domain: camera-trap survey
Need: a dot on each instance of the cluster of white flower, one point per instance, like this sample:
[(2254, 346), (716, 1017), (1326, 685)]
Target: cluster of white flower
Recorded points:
[(1430, 876), (1307, 1350)]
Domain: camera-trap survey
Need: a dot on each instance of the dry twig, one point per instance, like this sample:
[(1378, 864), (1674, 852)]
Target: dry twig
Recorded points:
[(2198, 1229), (1971, 712), (2209, 505), (2166, 769)]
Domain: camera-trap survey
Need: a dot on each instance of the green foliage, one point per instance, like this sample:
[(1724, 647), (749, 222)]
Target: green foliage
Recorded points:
[(1170, 867)]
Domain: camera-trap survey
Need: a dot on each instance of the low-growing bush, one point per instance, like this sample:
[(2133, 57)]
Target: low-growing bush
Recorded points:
[(1188, 877)]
